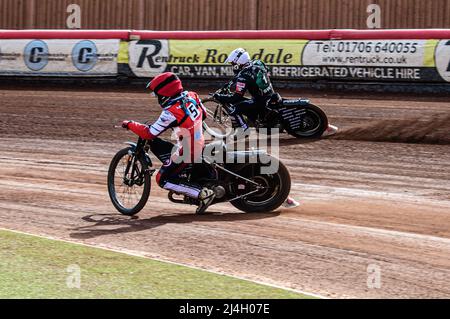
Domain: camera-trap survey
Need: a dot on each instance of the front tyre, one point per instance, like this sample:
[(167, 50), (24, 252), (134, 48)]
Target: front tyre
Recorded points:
[(218, 122), (129, 182), (276, 188)]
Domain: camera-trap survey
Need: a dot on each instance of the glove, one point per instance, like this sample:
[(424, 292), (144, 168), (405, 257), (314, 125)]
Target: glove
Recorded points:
[(125, 124), (218, 96)]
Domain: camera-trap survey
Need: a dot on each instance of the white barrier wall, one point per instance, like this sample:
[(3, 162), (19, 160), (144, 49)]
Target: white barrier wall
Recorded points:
[(359, 55)]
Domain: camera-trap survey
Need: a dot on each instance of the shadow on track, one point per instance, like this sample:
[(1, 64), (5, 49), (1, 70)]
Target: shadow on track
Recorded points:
[(110, 224)]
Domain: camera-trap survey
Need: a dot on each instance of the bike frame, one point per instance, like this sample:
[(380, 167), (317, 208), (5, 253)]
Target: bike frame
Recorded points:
[(139, 149)]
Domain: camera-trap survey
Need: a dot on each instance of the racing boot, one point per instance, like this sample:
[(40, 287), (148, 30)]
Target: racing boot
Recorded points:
[(331, 130), (206, 198), (290, 203)]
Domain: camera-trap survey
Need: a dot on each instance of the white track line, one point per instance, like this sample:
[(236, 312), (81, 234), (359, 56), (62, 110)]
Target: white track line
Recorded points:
[(143, 255)]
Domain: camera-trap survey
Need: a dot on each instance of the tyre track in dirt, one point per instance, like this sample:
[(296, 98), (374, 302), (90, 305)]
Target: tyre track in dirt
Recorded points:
[(363, 203)]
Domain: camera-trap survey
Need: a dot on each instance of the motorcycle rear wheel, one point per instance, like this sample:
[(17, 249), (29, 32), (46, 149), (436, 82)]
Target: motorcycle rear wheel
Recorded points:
[(314, 123), (278, 188)]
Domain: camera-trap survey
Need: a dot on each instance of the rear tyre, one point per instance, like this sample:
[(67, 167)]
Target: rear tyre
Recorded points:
[(278, 186), (314, 123), (128, 194)]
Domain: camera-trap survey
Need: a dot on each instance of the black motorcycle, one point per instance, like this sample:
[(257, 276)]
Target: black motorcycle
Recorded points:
[(252, 181), (297, 117)]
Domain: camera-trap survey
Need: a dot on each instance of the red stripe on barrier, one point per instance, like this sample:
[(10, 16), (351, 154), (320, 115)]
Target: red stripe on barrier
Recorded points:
[(298, 34), (417, 34), (65, 34), (347, 34), (246, 34)]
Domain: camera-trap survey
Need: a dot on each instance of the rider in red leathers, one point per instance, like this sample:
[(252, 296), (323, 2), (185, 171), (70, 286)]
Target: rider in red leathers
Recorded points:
[(184, 113)]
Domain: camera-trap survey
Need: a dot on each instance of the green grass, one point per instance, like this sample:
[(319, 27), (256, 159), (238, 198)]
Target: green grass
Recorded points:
[(34, 267)]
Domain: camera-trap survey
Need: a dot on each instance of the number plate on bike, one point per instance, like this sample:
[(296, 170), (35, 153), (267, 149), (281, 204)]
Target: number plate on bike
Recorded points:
[(293, 117)]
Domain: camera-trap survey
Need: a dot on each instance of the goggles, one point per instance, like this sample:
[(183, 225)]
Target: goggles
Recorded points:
[(235, 66)]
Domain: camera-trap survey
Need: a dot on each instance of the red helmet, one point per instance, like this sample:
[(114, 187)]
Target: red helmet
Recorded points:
[(166, 84)]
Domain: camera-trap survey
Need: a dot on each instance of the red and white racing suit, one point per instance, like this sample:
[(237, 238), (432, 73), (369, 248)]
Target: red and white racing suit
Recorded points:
[(185, 115)]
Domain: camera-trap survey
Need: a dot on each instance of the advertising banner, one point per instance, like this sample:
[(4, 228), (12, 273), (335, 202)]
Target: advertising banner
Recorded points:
[(206, 58), (360, 60), (382, 60), (59, 57)]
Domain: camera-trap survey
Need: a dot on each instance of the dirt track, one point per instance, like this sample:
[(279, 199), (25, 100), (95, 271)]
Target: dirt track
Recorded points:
[(363, 202)]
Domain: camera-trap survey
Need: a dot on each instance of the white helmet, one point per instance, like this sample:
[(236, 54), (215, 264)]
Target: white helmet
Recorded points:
[(238, 58)]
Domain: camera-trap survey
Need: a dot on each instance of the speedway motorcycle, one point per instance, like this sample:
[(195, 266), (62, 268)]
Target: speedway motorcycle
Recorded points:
[(252, 181), (298, 117)]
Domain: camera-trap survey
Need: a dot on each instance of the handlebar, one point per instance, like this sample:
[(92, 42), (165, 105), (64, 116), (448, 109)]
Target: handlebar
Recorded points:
[(224, 89)]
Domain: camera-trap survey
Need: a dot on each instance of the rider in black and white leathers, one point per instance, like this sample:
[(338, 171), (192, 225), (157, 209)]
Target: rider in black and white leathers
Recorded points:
[(252, 76)]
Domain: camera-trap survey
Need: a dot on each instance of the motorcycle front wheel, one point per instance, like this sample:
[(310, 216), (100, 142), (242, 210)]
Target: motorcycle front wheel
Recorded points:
[(218, 121), (128, 182)]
